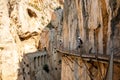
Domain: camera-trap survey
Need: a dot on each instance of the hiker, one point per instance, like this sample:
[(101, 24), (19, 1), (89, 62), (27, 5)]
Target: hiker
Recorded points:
[(60, 44), (79, 45), (80, 42)]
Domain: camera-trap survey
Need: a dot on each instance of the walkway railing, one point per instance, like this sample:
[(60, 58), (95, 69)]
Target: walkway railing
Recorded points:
[(94, 57)]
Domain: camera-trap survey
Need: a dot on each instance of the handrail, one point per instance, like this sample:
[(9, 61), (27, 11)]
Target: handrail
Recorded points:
[(94, 57)]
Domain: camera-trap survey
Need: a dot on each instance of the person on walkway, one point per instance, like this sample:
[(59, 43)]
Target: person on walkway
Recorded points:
[(79, 45), (79, 42)]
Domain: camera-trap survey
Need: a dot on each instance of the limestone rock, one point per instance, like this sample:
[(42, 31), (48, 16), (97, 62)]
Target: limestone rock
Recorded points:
[(97, 22), (22, 27)]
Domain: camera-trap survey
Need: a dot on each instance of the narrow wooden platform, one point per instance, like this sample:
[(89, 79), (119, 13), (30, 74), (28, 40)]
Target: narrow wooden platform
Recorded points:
[(92, 57)]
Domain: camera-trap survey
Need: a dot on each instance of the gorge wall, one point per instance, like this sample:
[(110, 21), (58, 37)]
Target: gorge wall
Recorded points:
[(27, 39), (97, 22), (31, 31)]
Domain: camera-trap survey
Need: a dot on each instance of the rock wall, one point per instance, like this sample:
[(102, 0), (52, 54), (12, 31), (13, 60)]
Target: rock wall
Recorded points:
[(9, 50), (78, 69), (30, 28), (97, 22), (24, 30)]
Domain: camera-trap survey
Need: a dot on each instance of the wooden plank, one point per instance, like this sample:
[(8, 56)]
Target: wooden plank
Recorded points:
[(93, 57)]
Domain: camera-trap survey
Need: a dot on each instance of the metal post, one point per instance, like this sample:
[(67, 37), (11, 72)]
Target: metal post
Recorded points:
[(110, 70)]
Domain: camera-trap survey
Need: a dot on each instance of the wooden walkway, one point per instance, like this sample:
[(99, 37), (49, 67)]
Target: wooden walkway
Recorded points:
[(92, 57)]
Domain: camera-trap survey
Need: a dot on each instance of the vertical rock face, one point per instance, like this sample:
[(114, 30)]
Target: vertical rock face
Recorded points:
[(9, 50), (31, 30), (24, 31), (97, 22), (78, 69)]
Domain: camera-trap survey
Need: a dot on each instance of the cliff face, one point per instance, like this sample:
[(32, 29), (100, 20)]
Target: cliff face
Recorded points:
[(23, 31), (32, 30), (97, 22)]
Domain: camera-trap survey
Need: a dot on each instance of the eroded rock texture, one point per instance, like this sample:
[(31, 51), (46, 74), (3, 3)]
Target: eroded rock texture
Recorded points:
[(25, 39), (32, 30), (97, 22)]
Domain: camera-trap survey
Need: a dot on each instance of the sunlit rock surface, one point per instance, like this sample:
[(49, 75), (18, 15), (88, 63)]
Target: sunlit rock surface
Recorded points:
[(23, 31), (32, 30), (97, 22)]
